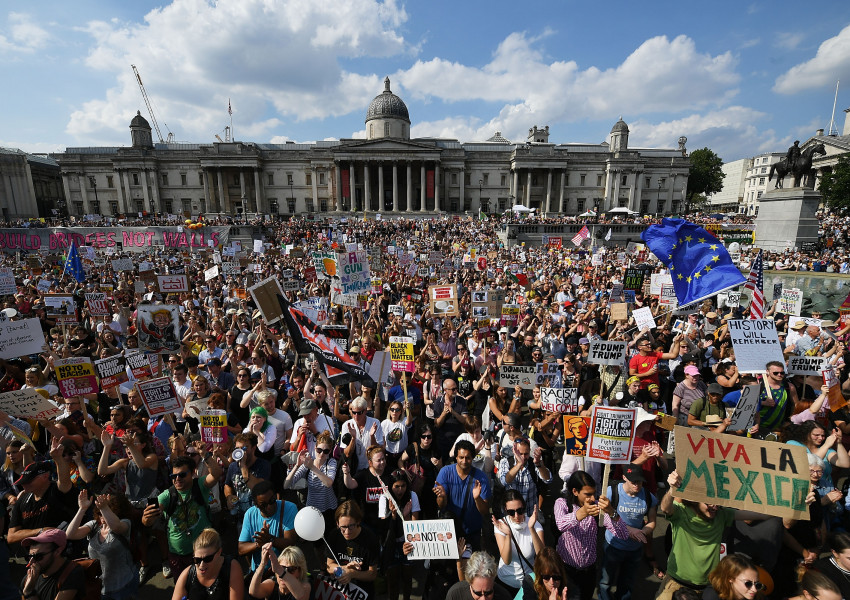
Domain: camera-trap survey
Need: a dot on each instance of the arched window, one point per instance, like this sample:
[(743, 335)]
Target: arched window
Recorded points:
[(386, 130)]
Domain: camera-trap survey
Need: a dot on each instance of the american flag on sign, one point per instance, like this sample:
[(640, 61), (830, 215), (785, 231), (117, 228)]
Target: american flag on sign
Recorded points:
[(582, 235), (755, 284)]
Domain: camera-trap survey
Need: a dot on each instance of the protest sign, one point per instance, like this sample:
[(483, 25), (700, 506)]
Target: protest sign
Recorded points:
[(213, 425), (28, 404), (619, 311), (444, 300), (777, 290), (122, 264), (576, 430), (755, 343), (380, 369), (159, 396), (265, 295), (643, 318), (523, 376), (139, 365), (805, 365), (836, 398), (7, 282), (657, 280), (327, 587), (733, 299), (616, 294), (60, 307), (396, 309), (431, 538), (169, 284), (668, 295), (75, 376), (401, 353), (612, 432), (790, 302), (510, 315), (97, 304), (354, 273), (633, 279), (111, 371), (159, 328), (745, 410), (337, 333), (20, 338), (560, 400), (744, 473), (607, 353), (211, 273), (548, 375)]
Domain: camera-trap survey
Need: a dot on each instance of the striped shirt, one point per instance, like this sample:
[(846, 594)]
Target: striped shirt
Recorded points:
[(318, 494), (577, 544)]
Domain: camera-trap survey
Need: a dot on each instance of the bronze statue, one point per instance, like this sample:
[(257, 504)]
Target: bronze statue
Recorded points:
[(797, 163)]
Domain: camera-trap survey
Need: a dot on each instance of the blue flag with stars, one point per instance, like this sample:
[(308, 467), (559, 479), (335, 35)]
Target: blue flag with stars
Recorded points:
[(74, 264), (698, 261)]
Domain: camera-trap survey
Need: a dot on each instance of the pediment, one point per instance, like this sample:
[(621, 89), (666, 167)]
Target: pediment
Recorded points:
[(387, 145)]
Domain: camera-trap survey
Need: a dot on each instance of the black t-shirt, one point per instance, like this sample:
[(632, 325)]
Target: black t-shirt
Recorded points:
[(368, 495), (242, 414), (364, 549), (51, 511), (48, 587)]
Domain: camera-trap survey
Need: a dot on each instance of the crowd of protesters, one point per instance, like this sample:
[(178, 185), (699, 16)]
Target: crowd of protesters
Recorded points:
[(140, 494)]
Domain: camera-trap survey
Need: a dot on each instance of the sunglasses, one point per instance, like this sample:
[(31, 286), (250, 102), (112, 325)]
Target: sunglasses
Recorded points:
[(513, 512), (551, 577), (357, 412), (179, 475), (426, 437), (395, 409), (479, 593), (37, 556), (290, 569), (323, 450), (204, 559), (777, 372), (748, 584)]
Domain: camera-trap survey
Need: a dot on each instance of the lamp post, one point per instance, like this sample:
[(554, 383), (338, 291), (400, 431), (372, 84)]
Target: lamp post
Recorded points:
[(291, 193), (93, 183), (480, 187)]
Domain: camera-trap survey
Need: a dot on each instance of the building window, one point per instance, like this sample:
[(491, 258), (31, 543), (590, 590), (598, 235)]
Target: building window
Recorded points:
[(663, 181), (504, 180), (289, 180), (466, 177), (646, 182), (113, 207), (309, 203), (624, 180), (290, 205), (386, 130), (759, 195), (761, 182), (322, 178), (78, 207), (270, 178), (135, 179), (486, 178), (183, 179), (503, 203), (273, 207), (165, 179), (371, 130), (187, 205), (764, 169), (453, 205), (454, 178), (485, 205), (109, 181), (581, 179), (323, 205), (235, 179), (599, 181), (200, 178), (167, 205), (579, 205), (756, 212), (467, 204), (644, 207), (622, 202), (308, 176), (140, 206), (533, 179)]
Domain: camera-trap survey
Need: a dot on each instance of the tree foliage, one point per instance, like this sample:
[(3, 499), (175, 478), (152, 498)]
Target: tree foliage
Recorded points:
[(706, 174), (835, 186)]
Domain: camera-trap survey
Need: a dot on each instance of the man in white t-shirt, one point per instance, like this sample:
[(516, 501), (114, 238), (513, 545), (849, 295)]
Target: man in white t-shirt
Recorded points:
[(281, 421), (309, 424), (365, 431)]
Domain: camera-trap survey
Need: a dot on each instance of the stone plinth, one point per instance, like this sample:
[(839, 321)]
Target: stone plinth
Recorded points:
[(787, 218)]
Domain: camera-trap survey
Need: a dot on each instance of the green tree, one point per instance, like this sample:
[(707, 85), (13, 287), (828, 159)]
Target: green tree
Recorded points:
[(705, 176), (835, 186)]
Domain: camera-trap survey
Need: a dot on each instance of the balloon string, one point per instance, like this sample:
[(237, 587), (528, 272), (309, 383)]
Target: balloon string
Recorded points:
[(333, 554)]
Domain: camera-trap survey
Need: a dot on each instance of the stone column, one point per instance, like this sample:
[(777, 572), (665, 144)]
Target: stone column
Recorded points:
[(224, 204), (367, 192), (315, 183), (422, 181), (548, 192), (395, 186), (462, 174), (564, 175), (331, 190), (82, 178), (258, 196), (638, 188), (409, 206), (381, 205), (606, 202), (155, 191), (242, 192), (67, 187), (437, 187), (206, 182), (616, 203), (128, 197), (351, 187), (527, 201), (515, 193), (145, 193)]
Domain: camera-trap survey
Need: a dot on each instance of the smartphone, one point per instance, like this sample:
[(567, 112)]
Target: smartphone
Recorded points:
[(153, 501)]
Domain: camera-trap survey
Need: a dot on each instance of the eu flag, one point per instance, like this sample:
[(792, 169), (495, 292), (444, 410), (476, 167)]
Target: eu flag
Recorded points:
[(698, 262), (74, 264)]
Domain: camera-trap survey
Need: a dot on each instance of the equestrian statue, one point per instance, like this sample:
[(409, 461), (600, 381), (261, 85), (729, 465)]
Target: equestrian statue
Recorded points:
[(797, 163)]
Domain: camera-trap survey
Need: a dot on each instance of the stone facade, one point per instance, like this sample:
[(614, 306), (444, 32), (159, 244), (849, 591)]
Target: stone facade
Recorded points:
[(30, 185), (386, 173)]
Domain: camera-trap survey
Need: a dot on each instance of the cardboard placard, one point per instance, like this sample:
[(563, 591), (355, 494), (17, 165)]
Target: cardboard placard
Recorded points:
[(213, 426), (523, 376), (354, 273), (633, 279), (559, 400), (444, 300), (159, 396), (169, 284), (211, 273), (265, 295), (607, 353), (97, 304), (401, 354), (619, 311), (159, 328), (75, 376), (612, 434), (836, 398), (111, 371), (755, 343), (140, 365), (431, 539), (744, 473), (745, 410), (20, 338), (790, 302), (643, 318), (576, 430), (28, 404), (122, 264)]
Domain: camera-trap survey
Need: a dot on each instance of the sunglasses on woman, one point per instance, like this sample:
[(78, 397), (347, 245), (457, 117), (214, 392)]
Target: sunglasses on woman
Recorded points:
[(513, 512), (323, 450), (204, 559), (551, 578), (748, 584), (290, 569)]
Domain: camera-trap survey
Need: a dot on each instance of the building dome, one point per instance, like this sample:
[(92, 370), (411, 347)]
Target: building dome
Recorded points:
[(620, 127), (387, 106), (499, 139), (139, 121)]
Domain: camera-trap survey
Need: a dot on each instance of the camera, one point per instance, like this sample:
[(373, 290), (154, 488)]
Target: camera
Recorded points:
[(488, 436), (346, 439), (238, 454)]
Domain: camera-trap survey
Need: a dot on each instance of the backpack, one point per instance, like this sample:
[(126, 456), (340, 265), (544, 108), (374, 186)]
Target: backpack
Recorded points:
[(92, 571), (196, 495)]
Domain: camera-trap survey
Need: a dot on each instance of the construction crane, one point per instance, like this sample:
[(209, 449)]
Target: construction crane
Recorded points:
[(150, 110)]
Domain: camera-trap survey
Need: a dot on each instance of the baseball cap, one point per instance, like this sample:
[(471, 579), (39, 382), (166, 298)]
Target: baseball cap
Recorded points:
[(48, 536), (32, 471), (716, 388), (691, 370), (306, 407), (633, 473)]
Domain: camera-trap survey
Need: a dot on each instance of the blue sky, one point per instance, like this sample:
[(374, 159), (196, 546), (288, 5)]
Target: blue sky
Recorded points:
[(741, 78)]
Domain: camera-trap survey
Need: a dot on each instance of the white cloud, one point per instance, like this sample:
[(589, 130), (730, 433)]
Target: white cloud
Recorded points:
[(267, 57), (33, 147), (788, 40), (831, 63), (24, 36)]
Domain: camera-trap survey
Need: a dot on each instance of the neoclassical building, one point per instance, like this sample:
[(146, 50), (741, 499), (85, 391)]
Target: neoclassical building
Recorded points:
[(388, 172)]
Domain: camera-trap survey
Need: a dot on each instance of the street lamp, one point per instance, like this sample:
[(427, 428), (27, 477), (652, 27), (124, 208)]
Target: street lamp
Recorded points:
[(93, 183), (480, 186), (658, 199)]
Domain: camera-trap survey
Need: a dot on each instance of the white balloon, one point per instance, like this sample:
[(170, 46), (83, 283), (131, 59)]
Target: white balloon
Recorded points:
[(734, 247), (310, 524)]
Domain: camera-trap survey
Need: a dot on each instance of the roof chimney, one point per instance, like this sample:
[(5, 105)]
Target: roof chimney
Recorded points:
[(846, 122), (819, 133)]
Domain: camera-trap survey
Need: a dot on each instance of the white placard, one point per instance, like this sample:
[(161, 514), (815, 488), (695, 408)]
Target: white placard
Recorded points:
[(806, 365), (790, 302), (643, 318), (612, 434), (122, 264), (559, 400), (20, 338), (607, 353), (755, 343), (28, 404), (211, 273), (657, 280)]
